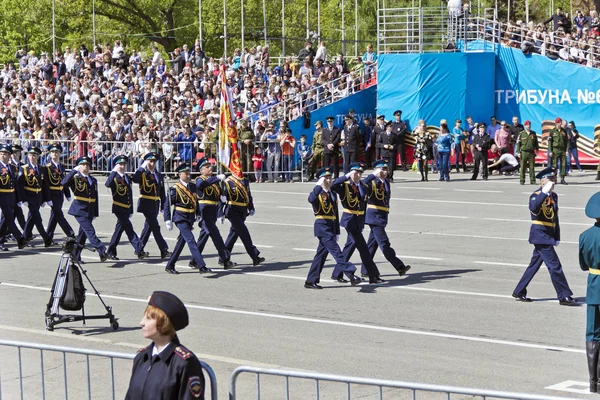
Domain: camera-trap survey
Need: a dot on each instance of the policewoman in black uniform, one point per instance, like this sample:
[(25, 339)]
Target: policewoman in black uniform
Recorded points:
[(165, 369), (15, 162), (8, 199)]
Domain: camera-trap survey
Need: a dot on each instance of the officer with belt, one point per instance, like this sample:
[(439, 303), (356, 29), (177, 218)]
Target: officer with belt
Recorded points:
[(386, 143), (151, 202), (527, 147), (544, 235), (8, 198), (558, 144), (378, 130), (327, 230), (399, 130), (15, 161), (84, 206), (352, 193), (120, 185), (589, 260), (29, 187), (378, 209), (317, 149), (331, 137), (351, 142), (52, 175), (239, 206), (183, 199), (209, 195)]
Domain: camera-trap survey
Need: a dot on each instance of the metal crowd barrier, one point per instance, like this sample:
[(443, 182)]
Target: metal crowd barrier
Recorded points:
[(361, 387), (24, 378)]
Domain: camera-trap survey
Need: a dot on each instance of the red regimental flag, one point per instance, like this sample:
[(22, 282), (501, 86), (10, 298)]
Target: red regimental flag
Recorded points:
[(229, 154)]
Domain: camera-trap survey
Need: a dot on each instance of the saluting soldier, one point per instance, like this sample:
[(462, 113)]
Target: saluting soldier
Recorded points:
[(589, 260), (527, 147), (52, 175), (326, 229), (317, 149), (351, 143), (120, 185), (29, 187), (8, 198), (386, 143), (378, 209), (399, 130), (239, 206), (544, 235), (183, 199), (15, 161), (209, 192), (558, 144), (84, 206), (151, 202), (331, 137)]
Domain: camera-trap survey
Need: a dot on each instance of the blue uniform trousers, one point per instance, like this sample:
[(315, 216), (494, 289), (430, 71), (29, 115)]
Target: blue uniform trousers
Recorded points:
[(356, 240), (19, 216), (87, 231), (7, 223), (35, 219), (592, 331), (209, 229), (328, 245), (124, 224), (239, 229), (58, 217), (152, 225), (543, 253), (379, 237), (185, 236)]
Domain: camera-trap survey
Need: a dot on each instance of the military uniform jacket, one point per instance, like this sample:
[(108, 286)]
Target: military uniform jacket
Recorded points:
[(558, 141), (85, 194), (333, 137), (8, 181), (377, 131), (317, 144), (52, 176), (378, 195), (209, 194), (120, 186), (152, 190), (399, 129), (174, 374), (353, 199), (383, 139), (589, 260), (185, 203), (352, 138), (239, 197), (481, 140), (544, 218), (29, 185), (527, 141), (325, 207)]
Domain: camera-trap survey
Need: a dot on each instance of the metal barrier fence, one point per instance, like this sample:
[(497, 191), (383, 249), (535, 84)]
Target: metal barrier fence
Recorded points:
[(33, 381), (362, 387)]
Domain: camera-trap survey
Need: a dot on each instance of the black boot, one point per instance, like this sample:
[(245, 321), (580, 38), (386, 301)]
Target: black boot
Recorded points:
[(598, 176), (591, 349), (562, 180)]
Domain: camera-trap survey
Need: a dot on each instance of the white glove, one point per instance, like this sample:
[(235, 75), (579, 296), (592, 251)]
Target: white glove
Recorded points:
[(222, 219), (169, 225), (19, 204), (116, 168), (377, 171), (556, 242), (198, 217), (144, 164), (43, 205), (547, 187), (221, 177), (23, 203), (77, 168), (349, 174), (337, 238), (320, 181), (68, 199), (50, 203), (252, 212), (223, 198)]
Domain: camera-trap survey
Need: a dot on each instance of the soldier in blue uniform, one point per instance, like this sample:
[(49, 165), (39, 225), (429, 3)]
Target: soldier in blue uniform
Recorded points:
[(544, 235), (327, 230), (84, 206), (120, 185), (29, 188), (8, 198), (589, 260), (239, 206), (378, 209), (15, 161), (151, 202), (209, 195), (52, 175), (165, 369), (183, 198), (352, 193)]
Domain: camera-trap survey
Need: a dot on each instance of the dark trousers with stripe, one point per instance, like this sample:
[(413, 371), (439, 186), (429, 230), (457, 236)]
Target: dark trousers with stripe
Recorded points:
[(34, 218), (355, 241), (328, 245), (239, 229), (87, 232), (124, 225), (209, 229), (545, 253), (185, 236), (19, 216), (7, 223), (152, 226), (58, 217), (379, 237)]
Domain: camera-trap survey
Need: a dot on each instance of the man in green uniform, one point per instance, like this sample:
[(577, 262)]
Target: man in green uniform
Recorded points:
[(247, 150), (527, 147), (558, 143), (589, 260), (317, 149)]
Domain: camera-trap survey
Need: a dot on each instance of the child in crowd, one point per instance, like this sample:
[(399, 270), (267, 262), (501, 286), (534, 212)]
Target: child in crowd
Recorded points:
[(304, 153), (257, 162)]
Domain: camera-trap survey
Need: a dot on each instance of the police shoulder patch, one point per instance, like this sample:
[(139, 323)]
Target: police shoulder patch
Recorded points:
[(536, 192), (183, 352), (195, 386), (142, 349)]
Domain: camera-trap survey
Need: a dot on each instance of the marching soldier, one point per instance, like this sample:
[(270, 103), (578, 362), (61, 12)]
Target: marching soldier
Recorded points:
[(326, 229), (29, 188), (558, 144), (589, 260), (52, 175), (15, 161), (386, 143), (317, 149), (84, 206), (544, 235), (378, 209), (331, 137), (209, 195), (120, 186), (151, 202), (8, 198), (527, 147), (351, 143), (399, 129), (183, 199), (239, 206)]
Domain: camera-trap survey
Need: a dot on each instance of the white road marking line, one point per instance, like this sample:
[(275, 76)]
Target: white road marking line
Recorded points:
[(362, 326), (478, 191), (500, 264), (482, 203), (294, 208), (529, 221), (440, 216), (265, 246), (571, 386), (418, 187), (379, 256)]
